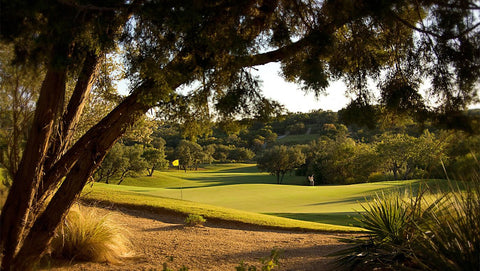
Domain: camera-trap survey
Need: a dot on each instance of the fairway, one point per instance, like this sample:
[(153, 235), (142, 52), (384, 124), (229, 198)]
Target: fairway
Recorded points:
[(242, 187)]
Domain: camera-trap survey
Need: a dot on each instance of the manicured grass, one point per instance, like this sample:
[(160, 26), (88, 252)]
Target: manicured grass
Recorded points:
[(114, 194), (242, 187), (211, 175)]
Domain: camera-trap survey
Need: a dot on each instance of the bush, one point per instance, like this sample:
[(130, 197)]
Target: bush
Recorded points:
[(194, 220), (451, 239), (424, 231), (86, 236)]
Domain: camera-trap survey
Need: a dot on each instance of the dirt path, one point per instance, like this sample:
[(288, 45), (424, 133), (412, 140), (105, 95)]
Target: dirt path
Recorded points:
[(215, 246)]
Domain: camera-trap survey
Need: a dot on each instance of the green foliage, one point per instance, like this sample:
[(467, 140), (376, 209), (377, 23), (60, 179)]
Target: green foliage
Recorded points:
[(86, 236), (3, 188), (401, 153), (194, 220), (112, 165), (278, 160), (155, 159), (19, 88), (120, 162), (341, 160), (189, 154)]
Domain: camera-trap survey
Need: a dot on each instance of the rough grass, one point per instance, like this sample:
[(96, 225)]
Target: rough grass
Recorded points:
[(433, 229), (86, 236)]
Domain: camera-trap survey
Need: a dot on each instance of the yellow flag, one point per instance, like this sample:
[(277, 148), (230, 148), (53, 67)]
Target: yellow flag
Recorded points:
[(175, 163)]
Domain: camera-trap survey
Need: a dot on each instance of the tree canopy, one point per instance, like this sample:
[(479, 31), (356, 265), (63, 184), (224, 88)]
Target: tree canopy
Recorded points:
[(212, 47)]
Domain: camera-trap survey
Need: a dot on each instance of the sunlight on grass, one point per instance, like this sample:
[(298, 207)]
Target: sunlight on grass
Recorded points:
[(160, 204), (242, 187)]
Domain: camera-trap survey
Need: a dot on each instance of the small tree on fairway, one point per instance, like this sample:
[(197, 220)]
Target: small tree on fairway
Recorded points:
[(155, 159), (135, 162), (278, 160), (189, 154)]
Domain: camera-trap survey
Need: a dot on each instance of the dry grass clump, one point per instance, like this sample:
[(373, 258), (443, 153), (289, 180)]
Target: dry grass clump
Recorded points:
[(86, 235)]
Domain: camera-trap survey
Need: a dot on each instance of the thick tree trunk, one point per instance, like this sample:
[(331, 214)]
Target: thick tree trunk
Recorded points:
[(68, 123), (43, 230), (75, 107), (80, 161), (17, 206)]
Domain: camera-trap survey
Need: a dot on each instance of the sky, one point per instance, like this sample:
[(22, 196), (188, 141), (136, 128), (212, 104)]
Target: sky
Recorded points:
[(293, 98)]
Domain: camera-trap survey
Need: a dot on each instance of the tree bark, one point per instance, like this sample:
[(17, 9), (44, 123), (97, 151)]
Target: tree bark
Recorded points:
[(43, 230), (68, 123), (17, 206), (80, 162), (75, 107)]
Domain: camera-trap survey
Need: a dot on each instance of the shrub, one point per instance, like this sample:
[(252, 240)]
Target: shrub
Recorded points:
[(423, 231), (86, 236), (451, 239), (194, 220), (390, 221)]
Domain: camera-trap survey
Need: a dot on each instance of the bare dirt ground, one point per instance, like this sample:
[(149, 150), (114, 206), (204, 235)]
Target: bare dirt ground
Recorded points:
[(156, 238)]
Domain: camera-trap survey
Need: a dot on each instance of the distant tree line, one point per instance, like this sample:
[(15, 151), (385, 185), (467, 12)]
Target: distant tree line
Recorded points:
[(396, 148)]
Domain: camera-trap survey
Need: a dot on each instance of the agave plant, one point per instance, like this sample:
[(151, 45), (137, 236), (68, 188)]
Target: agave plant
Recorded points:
[(393, 221), (451, 239), (427, 231)]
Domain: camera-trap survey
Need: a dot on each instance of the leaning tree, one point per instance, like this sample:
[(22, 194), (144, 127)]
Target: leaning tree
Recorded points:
[(211, 46)]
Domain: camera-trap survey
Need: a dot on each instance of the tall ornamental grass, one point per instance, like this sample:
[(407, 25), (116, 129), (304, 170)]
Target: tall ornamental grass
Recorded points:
[(426, 230), (87, 236)]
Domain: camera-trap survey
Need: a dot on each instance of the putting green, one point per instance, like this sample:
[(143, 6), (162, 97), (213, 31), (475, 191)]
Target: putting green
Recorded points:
[(242, 187)]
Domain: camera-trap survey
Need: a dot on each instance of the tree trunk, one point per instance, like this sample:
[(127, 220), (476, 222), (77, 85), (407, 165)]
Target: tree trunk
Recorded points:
[(395, 171), (75, 107), (150, 171), (67, 125), (78, 164), (43, 230), (93, 153), (17, 206)]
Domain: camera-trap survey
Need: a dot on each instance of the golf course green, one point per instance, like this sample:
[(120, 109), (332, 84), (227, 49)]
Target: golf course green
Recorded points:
[(241, 187)]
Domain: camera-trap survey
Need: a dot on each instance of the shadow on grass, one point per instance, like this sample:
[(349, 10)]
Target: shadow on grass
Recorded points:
[(254, 178), (341, 219)]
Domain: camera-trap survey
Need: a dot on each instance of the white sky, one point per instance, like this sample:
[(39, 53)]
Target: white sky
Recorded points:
[(295, 99), (291, 96)]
